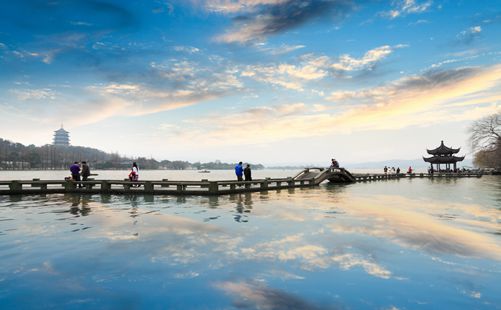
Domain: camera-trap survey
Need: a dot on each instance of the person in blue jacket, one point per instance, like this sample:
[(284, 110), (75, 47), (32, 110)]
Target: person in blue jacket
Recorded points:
[(239, 171)]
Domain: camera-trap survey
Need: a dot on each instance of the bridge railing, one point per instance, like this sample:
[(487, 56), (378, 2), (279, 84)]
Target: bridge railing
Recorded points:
[(204, 187)]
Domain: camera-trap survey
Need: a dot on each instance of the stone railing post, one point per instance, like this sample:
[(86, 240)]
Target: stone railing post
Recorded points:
[(148, 186), (70, 185), (213, 188), (15, 186), (165, 180), (264, 183), (105, 186)]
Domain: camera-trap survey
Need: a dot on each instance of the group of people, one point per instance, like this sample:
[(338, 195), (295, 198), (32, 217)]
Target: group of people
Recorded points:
[(81, 172), (242, 172), (78, 170), (392, 170)]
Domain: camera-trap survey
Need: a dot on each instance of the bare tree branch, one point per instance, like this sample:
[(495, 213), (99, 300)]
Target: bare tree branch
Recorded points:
[(485, 138)]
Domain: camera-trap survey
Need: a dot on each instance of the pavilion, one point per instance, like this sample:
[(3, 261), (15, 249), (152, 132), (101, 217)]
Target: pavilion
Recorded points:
[(443, 155)]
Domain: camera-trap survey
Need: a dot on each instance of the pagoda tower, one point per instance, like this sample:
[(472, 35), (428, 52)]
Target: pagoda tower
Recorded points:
[(61, 137), (443, 155)]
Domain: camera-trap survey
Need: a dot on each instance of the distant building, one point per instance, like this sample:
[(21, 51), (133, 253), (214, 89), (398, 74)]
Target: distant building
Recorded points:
[(443, 155), (61, 137)]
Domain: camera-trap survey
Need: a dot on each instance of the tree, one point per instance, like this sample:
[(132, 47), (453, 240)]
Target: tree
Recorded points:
[(485, 137)]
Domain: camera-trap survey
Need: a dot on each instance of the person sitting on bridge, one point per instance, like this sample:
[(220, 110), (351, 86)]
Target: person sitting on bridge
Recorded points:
[(75, 172), (85, 171), (134, 174), (334, 163)]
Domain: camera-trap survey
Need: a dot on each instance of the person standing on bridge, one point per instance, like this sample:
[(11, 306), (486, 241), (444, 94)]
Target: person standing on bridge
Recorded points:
[(247, 173), (239, 171)]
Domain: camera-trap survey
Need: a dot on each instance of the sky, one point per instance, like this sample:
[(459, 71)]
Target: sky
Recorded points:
[(276, 82)]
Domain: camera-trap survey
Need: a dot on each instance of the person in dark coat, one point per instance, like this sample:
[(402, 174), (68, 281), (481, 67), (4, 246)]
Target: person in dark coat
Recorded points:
[(334, 163), (85, 171), (247, 173)]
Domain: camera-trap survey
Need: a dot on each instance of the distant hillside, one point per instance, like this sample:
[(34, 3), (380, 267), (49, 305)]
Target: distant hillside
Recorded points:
[(16, 156)]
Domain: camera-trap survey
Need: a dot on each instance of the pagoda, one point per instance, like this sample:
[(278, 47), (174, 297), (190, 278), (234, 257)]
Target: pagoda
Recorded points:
[(61, 137), (443, 155)]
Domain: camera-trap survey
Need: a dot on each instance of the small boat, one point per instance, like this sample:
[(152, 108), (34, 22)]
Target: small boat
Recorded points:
[(203, 171)]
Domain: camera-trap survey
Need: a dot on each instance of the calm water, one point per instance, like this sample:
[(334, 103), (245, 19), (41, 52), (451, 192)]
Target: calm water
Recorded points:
[(401, 244)]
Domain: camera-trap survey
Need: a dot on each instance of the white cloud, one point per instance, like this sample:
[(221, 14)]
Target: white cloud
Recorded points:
[(256, 30), (369, 59), (34, 94), (468, 35), (405, 7), (311, 68), (287, 75), (176, 70), (45, 56), (232, 6), (187, 49), (280, 50), (402, 103), (476, 29)]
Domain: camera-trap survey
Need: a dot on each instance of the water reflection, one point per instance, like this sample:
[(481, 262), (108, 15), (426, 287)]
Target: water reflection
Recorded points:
[(79, 204), (399, 220), (306, 249), (243, 205), (259, 296)]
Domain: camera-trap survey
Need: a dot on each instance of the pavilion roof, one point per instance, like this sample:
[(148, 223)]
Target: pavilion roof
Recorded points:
[(443, 150), (443, 159), (61, 130)]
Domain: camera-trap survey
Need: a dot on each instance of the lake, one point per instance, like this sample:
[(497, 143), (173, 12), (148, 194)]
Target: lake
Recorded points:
[(396, 244)]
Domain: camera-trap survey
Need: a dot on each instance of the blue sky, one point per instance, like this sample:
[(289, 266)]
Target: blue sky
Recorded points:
[(270, 81)]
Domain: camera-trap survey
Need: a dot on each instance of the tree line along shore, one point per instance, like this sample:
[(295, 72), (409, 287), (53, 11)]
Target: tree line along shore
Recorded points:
[(16, 156)]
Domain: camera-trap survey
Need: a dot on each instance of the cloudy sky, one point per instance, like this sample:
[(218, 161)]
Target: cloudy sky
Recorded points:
[(269, 81)]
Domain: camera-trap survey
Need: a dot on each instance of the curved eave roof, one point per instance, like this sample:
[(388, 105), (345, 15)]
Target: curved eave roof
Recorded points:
[(442, 150), (443, 159), (61, 130)]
